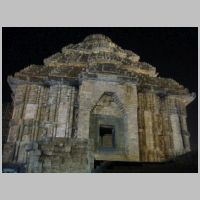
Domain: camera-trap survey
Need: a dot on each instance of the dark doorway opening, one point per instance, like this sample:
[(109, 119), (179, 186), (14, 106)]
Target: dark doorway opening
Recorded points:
[(107, 134)]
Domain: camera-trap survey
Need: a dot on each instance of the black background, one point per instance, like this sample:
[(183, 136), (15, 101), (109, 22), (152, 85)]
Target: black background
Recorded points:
[(173, 51)]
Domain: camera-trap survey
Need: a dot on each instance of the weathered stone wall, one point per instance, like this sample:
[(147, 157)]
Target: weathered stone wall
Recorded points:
[(40, 112), (162, 127), (149, 127), (41, 131), (60, 155), (155, 130)]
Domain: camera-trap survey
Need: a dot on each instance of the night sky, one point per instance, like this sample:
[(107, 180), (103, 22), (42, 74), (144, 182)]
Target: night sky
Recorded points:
[(173, 51)]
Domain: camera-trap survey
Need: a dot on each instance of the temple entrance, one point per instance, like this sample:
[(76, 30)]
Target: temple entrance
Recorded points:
[(107, 136), (107, 126)]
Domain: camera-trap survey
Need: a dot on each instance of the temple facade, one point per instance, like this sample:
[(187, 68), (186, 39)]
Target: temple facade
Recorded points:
[(94, 101)]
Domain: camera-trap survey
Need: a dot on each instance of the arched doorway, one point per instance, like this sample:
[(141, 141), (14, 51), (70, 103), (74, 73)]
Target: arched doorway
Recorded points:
[(107, 127)]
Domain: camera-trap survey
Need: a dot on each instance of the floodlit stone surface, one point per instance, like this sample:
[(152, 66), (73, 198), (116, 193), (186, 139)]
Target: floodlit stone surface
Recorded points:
[(60, 106)]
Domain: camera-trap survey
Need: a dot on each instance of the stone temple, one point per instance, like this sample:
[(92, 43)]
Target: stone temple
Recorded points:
[(94, 101)]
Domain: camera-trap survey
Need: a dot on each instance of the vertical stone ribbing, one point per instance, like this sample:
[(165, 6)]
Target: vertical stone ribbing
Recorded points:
[(39, 112), (160, 134)]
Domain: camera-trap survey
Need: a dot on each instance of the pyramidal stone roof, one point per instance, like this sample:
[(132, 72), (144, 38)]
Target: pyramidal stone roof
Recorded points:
[(96, 54), (96, 50)]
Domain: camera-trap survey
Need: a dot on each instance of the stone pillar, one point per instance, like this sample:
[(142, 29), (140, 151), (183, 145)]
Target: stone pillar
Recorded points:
[(185, 133), (86, 96), (177, 137), (148, 130), (147, 110), (175, 111), (130, 102)]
